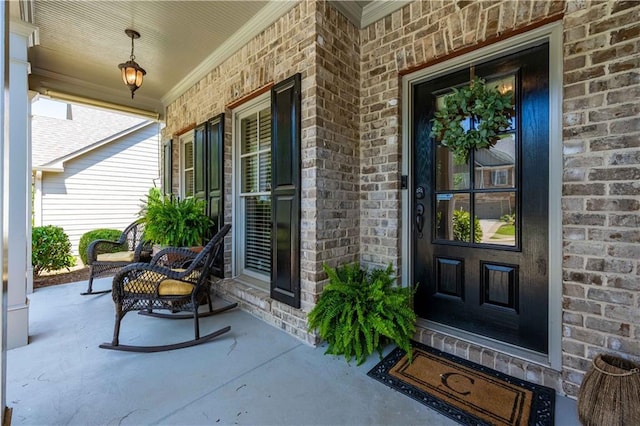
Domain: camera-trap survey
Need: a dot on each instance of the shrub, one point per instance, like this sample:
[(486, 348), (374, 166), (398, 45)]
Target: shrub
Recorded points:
[(509, 219), (171, 221), (50, 249), (359, 312), (462, 227), (99, 234)]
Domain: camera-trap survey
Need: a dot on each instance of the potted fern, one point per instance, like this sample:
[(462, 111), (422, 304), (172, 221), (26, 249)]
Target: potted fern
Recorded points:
[(360, 311), (174, 222)]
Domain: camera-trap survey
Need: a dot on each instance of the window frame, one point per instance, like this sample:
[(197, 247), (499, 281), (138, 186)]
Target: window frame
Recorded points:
[(184, 139), (252, 278), (498, 175)]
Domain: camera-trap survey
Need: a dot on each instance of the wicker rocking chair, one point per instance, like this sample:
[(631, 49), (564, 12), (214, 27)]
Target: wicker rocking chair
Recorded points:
[(176, 280), (129, 248)]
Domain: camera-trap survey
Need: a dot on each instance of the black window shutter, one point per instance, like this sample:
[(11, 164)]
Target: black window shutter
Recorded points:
[(215, 182), (215, 170), (199, 162), (167, 166), (285, 191)]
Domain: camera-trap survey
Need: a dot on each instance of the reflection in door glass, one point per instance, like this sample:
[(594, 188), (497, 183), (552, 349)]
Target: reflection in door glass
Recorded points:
[(449, 173), (486, 186), (496, 167), (504, 85), (453, 220), (496, 212)]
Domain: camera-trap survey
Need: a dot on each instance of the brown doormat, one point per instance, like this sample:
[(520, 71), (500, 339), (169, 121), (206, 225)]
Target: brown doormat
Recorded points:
[(469, 393)]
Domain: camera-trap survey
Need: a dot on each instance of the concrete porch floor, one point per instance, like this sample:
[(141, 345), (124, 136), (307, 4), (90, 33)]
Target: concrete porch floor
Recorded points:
[(253, 375)]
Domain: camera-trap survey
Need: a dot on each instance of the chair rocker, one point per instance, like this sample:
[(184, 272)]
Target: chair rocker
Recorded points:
[(177, 280), (105, 257)]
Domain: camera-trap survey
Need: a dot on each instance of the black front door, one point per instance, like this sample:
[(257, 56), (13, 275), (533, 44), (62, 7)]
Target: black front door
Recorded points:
[(480, 230)]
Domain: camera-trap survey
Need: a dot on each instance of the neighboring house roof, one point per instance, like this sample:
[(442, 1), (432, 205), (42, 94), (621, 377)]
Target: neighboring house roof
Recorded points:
[(55, 140), (494, 157)]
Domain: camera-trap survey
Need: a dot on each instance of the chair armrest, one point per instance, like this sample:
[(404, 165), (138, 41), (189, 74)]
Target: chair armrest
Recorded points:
[(142, 252), (151, 275), (174, 257), (97, 247)]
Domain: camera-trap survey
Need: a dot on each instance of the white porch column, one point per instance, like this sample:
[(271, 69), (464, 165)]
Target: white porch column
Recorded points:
[(19, 175), (30, 199), (4, 141)]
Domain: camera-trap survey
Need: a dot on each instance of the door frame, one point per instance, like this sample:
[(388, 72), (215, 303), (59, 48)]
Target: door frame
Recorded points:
[(553, 34)]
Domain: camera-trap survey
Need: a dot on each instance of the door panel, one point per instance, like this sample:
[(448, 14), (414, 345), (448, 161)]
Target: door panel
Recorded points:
[(480, 228)]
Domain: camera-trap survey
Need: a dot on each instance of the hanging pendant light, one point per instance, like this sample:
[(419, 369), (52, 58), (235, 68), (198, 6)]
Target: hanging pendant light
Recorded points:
[(132, 73)]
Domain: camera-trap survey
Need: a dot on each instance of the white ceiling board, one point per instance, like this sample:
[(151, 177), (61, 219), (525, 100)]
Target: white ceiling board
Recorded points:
[(82, 42)]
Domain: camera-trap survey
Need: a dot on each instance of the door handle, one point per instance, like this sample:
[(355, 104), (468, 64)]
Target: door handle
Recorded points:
[(419, 218)]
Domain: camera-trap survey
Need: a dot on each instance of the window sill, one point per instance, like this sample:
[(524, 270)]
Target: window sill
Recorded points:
[(253, 282)]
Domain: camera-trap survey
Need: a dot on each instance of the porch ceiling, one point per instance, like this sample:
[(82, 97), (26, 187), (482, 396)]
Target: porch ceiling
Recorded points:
[(79, 44)]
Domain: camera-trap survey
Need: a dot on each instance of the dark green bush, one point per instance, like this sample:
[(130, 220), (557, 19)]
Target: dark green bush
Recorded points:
[(509, 219), (359, 312), (98, 234), (50, 249), (462, 227)]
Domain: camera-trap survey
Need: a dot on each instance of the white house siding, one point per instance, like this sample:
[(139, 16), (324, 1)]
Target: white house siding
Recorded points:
[(102, 188)]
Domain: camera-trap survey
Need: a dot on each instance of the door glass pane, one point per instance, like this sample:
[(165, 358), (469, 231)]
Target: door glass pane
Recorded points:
[(453, 220), (496, 167), (504, 85), (450, 174), (497, 215)]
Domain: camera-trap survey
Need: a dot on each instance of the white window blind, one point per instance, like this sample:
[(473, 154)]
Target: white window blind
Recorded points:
[(255, 160), (187, 169)]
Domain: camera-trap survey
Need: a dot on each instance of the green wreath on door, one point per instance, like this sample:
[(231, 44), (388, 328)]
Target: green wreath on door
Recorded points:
[(490, 109)]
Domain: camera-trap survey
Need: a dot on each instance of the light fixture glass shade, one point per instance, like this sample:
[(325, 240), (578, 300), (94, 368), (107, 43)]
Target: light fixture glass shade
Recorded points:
[(132, 75)]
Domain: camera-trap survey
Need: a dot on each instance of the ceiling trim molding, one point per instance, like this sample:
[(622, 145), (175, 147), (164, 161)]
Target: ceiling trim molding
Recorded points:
[(53, 168), (83, 100), (22, 28), (52, 82), (51, 75), (377, 10), (262, 20)]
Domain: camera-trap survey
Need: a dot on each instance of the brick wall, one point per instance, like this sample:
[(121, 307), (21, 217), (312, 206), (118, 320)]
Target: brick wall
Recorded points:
[(601, 187), (601, 143), (285, 48), (352, 151), (326, 52), (414, 35), (337, 156)]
